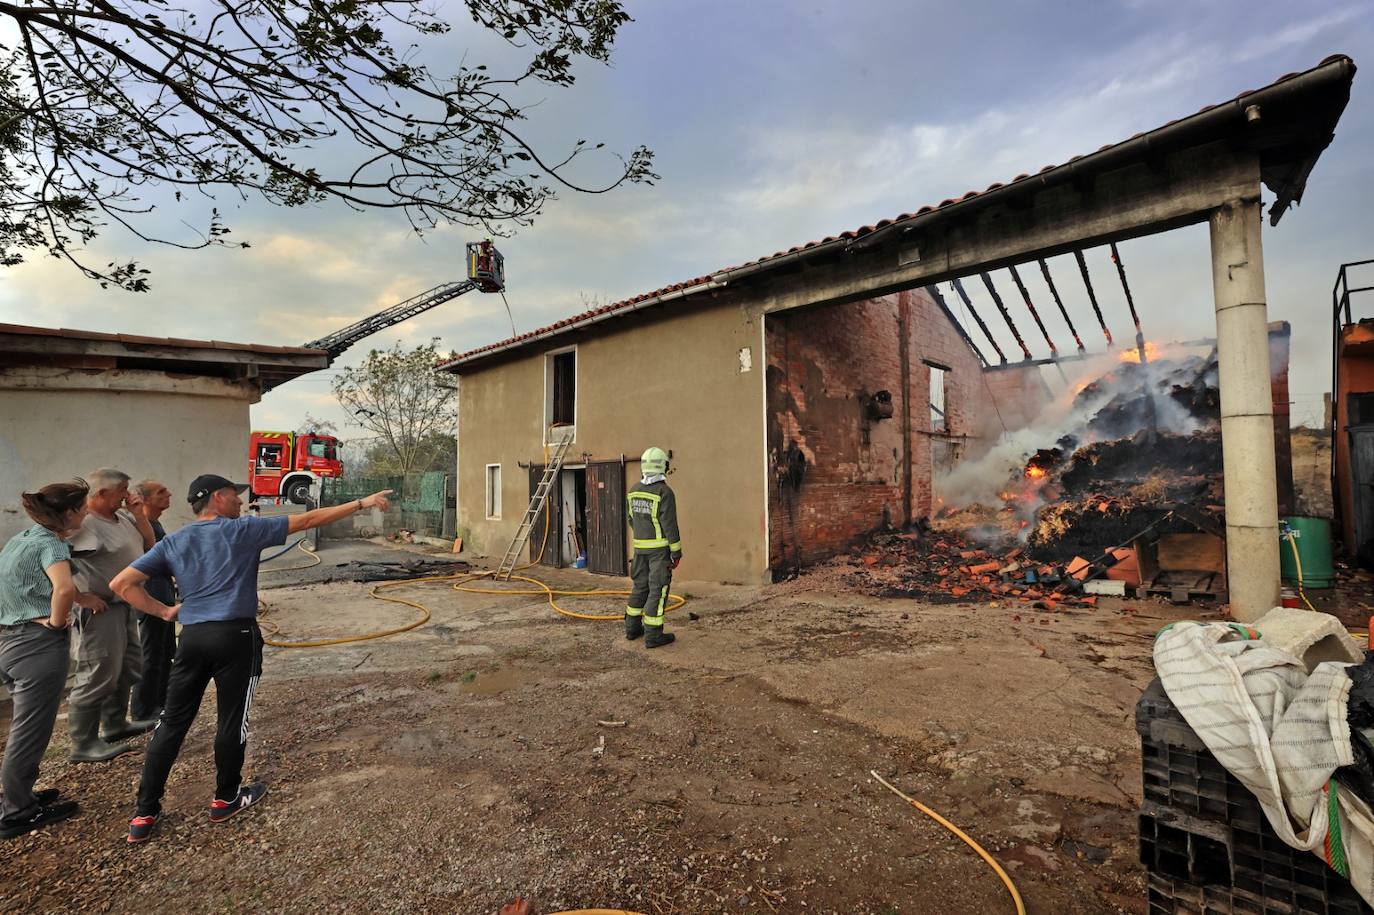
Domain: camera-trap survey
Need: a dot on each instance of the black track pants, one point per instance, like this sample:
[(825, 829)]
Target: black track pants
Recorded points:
[(230, 653)]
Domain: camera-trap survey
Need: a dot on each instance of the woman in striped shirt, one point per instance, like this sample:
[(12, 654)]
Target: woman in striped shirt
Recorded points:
[(36, 598)]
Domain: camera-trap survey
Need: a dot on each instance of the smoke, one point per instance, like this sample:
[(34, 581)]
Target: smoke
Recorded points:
[(1098, 386)]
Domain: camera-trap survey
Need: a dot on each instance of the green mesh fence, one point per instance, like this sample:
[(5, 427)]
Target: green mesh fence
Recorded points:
[(418, 504)]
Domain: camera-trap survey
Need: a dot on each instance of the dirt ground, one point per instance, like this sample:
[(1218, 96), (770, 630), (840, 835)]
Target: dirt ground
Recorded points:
[(483, 755)]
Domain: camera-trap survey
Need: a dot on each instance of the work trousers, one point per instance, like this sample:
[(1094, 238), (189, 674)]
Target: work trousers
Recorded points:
[(158, 639), (230, 653), (651, 574), (33, 667), (109, 658)]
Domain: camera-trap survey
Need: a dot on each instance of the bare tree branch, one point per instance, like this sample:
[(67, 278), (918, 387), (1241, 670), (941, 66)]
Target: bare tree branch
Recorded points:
[(103, 101)]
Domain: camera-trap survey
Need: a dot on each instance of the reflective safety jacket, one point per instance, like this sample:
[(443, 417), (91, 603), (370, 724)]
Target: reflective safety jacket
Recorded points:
[(653, 517)]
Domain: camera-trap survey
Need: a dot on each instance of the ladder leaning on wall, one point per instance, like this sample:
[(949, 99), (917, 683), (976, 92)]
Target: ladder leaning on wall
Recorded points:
[(537, 502)]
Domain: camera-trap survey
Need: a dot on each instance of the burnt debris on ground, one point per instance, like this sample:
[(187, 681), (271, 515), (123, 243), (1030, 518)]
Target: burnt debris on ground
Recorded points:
[(1134, 485)]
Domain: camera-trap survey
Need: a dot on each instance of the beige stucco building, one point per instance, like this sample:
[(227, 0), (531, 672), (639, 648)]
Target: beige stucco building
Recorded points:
[(730, 391), (73, 401)]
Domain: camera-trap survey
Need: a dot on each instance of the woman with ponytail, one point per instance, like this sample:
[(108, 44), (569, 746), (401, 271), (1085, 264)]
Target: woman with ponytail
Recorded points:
[(36, 598)]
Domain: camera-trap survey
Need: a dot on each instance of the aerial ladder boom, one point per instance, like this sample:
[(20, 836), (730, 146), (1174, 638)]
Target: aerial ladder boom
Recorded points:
[(486, 272)]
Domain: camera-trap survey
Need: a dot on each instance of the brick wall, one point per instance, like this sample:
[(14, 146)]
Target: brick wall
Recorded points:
[(861, 474)]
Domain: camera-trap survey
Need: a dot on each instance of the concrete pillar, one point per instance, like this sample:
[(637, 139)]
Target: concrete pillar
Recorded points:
[(1247, 420)]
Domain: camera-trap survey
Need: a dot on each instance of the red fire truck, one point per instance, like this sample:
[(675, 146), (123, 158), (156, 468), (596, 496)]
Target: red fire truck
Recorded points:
[(286, 464)]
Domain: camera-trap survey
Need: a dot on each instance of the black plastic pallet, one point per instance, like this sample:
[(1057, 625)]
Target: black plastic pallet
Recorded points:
[(1204, 833), (1179, 897)]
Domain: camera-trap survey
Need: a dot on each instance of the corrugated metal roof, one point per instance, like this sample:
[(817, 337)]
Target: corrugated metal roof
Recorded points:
[(712, 279)]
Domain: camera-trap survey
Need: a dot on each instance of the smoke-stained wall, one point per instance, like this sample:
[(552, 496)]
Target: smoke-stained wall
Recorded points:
[(838, 468)]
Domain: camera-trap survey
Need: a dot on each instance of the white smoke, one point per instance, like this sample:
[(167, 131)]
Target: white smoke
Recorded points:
[(982, 480)]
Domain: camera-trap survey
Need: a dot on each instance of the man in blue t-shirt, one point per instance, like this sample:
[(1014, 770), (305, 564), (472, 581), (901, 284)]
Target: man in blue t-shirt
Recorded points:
[(215, 563)]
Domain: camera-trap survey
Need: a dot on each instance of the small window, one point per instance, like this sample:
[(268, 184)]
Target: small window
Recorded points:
[(493, 492), (560, 394), (320, 448), (269, 457), (939, 422)]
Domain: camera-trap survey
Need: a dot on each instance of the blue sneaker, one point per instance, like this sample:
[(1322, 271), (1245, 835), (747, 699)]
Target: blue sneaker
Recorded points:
[(248, 796)]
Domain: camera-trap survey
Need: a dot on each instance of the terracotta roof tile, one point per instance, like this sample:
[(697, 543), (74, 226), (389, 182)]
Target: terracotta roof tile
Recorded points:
[(852, 234)]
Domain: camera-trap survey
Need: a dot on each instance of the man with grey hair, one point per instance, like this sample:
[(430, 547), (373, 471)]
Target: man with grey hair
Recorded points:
[(109, 657), (157, 636)]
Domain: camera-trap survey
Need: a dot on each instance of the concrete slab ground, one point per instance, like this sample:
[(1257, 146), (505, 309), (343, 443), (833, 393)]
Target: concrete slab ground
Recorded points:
[(503, 749)]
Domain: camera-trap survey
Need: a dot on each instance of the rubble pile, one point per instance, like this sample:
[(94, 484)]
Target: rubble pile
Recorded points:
[(1145, 458), (945, 566)]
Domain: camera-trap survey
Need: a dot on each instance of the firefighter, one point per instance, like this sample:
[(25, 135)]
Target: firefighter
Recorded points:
[(658, 550)]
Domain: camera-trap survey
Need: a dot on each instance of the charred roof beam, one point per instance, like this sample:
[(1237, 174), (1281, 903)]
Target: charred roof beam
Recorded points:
[(959, 288), (1025, 297), (1006, 315), (1054, 291), (934, 292)]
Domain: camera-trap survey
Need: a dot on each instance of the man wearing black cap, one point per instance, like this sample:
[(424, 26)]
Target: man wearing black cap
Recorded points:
[(215, 563)]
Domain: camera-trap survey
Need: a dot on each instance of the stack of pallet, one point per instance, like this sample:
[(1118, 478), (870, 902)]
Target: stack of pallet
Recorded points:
[(1205, 841)]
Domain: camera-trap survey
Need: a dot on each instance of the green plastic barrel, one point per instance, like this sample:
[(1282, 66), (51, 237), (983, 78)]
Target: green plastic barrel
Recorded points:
[(1312, 536)]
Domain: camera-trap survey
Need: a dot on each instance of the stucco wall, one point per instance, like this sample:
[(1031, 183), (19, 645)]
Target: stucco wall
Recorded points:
[(59, 423), (676, 383)]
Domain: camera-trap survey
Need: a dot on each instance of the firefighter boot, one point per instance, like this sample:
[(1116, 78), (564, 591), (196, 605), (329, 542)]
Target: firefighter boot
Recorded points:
[(655, 637), (87, 746), (115, 724), (634, 626)]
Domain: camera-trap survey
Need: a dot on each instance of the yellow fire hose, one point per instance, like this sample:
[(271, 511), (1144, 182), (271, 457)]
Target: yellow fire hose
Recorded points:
[(461, 582), (1297, 562), (1011, 887)]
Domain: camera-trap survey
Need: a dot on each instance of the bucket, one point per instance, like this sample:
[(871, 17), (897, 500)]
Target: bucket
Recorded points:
[(1289, 598), (1312, 537), (581, 561)]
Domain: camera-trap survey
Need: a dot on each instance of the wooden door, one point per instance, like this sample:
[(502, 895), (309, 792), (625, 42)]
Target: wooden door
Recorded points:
[(552, 523), (606, 518)]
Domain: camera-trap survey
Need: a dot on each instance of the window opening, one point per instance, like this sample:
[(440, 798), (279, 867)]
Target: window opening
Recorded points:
[(939, 421), (493, 492)]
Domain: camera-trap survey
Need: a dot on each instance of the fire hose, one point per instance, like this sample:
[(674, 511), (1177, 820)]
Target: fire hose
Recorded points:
[(461, 582), (1006, 881)]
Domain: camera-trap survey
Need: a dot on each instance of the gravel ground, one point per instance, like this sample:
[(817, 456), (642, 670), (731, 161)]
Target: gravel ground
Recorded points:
[(501, 749)]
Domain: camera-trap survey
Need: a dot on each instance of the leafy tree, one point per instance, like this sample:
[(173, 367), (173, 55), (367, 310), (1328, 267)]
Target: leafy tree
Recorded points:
[(397, 395), (293, 101), (379, 459)]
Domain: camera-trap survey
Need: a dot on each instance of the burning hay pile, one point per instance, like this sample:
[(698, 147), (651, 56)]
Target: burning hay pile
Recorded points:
[(1137, 458)]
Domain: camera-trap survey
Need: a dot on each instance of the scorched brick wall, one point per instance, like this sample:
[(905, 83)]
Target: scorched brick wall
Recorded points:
[(861, 474)]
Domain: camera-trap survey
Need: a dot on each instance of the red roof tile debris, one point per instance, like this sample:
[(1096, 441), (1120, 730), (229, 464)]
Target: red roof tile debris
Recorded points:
[(627, 304)]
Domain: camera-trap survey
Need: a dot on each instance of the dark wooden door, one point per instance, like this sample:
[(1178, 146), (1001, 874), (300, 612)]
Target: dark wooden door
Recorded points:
[(552, 524), (1362, 482), (606, 518)]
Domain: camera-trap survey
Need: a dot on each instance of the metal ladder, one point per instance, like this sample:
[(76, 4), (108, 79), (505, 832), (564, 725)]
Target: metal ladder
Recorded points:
[(537, 502)]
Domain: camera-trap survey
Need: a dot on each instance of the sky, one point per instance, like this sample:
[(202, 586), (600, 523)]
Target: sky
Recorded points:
[(776, 122)]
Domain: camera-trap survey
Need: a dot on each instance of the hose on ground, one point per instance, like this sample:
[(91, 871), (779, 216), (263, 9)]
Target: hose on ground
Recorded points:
[(1011, 887), (461, 582), (315, 559)]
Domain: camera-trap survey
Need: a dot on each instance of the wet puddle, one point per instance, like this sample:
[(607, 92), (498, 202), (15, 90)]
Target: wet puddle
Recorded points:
[(492, 682)]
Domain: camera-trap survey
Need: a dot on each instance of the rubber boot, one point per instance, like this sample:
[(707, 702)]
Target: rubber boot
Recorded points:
[(655, 637), (114, 723), (634, 627), (84, 721)]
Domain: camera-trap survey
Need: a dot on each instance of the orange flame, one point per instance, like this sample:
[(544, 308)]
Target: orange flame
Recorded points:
[(1133, 354), (1035, 473)]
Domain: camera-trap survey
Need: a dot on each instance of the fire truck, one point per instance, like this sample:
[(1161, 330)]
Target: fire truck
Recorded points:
[(286, 465)]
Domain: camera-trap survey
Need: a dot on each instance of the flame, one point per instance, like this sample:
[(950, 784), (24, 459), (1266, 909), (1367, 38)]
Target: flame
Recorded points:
[(1035, 473), (1133, 354)]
